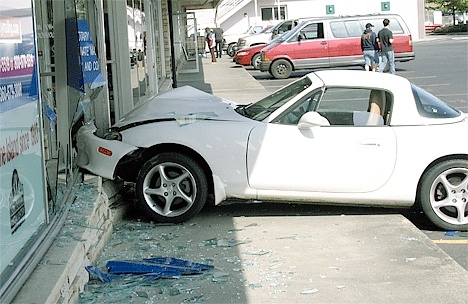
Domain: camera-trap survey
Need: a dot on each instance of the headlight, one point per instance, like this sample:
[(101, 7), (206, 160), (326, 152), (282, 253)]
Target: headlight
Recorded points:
[(241, 43), (242, 53)]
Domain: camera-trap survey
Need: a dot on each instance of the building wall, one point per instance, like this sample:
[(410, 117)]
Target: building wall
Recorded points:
[(410, 10)]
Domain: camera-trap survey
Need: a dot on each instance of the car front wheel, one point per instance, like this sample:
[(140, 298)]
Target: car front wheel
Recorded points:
[(256, 61), (444, 194), (171, 188), (231, 50), (281, 69)]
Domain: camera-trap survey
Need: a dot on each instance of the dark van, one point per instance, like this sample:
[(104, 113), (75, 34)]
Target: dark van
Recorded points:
[(331, 42)]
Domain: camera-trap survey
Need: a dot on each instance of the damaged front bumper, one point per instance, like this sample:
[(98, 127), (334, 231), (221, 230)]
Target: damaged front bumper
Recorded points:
[(97, 155)]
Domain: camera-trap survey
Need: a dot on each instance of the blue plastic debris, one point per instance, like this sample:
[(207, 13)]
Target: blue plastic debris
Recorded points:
[(96, 273), (153, 268), (179, 263), (450, 233)]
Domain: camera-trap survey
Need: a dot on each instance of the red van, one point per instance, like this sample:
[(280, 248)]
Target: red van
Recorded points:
[(331, 42)]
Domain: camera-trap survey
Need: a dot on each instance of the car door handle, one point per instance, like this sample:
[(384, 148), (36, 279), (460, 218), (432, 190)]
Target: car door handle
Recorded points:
[(370, 143), (323, 42)]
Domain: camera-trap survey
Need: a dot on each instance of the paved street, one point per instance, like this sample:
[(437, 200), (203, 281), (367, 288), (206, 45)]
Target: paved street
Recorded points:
[(265, 253)]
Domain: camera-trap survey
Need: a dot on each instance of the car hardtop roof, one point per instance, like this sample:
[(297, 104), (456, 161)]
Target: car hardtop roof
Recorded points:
[(357, 78)]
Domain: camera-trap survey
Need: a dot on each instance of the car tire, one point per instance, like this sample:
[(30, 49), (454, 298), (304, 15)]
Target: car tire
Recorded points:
[(281, 69), (171, 188), (443, 194), (231, 50), (256, 61)]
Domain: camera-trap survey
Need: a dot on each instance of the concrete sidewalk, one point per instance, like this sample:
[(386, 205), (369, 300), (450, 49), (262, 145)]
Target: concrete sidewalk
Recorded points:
[(258, 257), (224, 79), (285, 259)]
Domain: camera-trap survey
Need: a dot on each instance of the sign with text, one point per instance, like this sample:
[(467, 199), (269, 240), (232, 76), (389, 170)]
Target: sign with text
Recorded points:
[(83, 63)]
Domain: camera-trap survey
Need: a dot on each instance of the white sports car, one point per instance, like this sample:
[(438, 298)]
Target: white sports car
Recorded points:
[(331, 137)]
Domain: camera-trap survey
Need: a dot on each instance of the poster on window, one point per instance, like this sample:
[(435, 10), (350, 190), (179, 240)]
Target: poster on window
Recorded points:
[(22, 207), (84, 67)]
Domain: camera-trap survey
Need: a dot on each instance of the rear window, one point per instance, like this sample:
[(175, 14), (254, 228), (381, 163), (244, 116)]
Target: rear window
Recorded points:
[(338, 29), (343, 29), (432, 107), (395, 26), (354, 28)]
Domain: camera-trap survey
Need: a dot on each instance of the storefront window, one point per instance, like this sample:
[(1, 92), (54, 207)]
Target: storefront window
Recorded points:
[(136, 23), (22, 195)]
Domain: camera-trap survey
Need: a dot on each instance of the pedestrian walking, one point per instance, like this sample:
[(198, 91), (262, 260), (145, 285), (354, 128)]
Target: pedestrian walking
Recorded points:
[(385, 38), (370, 48), (219, 41), (210, 40)]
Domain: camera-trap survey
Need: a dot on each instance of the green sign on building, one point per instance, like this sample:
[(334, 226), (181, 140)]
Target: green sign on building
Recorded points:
[(385, 6), (330, 9)]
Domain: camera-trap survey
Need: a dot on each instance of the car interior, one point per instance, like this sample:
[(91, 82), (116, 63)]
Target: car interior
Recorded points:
[(343, 107)]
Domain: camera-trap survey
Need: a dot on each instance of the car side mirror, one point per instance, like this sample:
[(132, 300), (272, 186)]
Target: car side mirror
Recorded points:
[(310, 120), (299, 37)]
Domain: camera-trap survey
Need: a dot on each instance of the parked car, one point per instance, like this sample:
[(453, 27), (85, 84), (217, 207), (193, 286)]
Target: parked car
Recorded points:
[(331, 42), (330, 137), (431, 27), (251, 40), (230, 40), (251, 55), (266, 35)]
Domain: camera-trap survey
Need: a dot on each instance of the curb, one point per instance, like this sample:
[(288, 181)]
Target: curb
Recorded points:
[(90, 222)]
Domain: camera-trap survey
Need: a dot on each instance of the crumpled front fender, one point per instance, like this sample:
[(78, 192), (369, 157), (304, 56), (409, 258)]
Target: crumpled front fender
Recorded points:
[(99, 156)]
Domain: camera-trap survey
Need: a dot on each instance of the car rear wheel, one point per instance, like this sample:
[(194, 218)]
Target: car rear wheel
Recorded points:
[(281, 69), (256, 61), (171, 188), (444, 194)]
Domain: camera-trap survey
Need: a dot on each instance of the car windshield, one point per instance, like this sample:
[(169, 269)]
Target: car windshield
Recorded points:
[(293, 31), (267, 30), (264, 107), (281, 37), (430, 106)]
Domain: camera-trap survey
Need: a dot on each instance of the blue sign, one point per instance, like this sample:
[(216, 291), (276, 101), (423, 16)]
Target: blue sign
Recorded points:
[(82, 60)]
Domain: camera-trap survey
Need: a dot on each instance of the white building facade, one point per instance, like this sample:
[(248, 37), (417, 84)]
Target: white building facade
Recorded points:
[(235, 16)]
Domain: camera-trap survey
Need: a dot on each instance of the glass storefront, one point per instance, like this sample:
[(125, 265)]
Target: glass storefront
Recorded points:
[(22, 186), (63, 63)]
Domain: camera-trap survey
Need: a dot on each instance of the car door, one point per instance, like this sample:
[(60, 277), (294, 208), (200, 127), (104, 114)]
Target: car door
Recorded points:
[(345, 46), (343, 157), (310, 48)]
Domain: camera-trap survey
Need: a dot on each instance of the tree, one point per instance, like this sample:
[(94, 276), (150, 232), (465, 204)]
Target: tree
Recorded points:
[(451, 6)]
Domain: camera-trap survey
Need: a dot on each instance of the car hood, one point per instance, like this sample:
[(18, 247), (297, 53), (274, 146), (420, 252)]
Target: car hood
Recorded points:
[(185, 104)]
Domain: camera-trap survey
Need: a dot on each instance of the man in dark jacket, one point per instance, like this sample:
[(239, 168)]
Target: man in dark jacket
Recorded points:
[(219, 41), (370, 48), (385, 38)]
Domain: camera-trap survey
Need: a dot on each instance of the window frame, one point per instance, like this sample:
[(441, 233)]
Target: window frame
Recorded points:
[(274, 12)]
